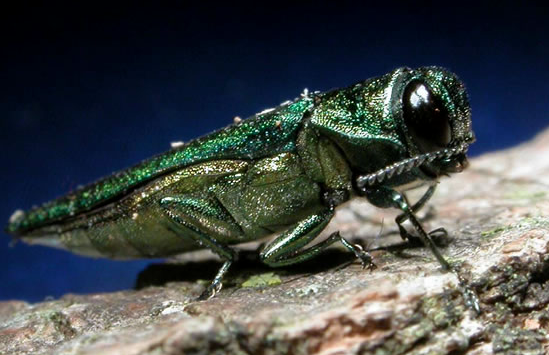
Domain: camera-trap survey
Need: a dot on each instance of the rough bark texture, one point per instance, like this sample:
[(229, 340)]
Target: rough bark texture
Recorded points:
[(496, 214)]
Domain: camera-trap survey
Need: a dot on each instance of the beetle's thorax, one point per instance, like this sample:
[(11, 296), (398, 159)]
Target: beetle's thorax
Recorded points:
[(355, 120), (404, 126)]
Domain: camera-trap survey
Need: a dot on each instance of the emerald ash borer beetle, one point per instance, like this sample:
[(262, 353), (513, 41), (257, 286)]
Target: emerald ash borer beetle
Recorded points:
[(282, 171)]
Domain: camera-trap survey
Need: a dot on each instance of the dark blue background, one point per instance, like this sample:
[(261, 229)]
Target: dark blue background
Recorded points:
[(85, 92)]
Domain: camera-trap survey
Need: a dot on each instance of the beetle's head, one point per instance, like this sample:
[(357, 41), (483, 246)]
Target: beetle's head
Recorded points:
[(435, 120), (431, 111)]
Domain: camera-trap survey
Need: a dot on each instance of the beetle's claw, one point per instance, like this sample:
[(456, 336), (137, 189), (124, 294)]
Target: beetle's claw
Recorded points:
[(205, 295), (365, 258), (210, 291), (369, 265)]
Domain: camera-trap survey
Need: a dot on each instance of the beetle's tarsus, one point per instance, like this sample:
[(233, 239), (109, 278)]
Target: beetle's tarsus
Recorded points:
[(367, 261), (365, 258), (469, 295), (208, 293), (216, 284), (471, 298)]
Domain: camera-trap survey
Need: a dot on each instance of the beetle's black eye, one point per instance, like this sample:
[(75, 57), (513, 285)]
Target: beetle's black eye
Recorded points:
[(425, 117)]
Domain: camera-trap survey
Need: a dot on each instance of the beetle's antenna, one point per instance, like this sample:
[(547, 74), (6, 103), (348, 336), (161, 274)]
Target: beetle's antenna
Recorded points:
[(407, 165)]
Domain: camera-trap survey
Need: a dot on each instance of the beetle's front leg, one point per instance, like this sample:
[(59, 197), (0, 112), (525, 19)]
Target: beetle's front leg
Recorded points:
[(194, 218), (385, 197), (288, 249), (400, 202), (469, 295), (437, 235)]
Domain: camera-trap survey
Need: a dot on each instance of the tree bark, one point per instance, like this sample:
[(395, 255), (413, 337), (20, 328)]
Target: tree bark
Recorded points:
[(496, 214)]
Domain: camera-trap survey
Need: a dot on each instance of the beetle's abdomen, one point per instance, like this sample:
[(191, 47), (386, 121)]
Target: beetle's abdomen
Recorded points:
[(146, 234), (136, 226)]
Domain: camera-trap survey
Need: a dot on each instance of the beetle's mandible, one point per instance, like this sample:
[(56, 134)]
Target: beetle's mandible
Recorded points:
[(281, 171)]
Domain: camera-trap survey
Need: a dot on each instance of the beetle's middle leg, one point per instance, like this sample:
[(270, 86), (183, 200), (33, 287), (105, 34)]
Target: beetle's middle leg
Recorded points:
[(199, 219), (438, 235), (287, 248)]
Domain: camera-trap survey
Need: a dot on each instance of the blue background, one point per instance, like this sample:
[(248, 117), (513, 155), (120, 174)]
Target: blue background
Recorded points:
[(85, 92)]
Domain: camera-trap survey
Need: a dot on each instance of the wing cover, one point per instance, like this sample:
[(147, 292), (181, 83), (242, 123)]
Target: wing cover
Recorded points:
[(259, 136)]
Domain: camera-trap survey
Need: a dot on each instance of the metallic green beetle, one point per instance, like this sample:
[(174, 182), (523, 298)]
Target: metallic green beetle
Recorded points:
[(284, 170)]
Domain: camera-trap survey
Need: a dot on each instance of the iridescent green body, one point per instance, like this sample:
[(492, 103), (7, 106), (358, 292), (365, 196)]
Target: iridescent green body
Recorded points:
[(281, 171)]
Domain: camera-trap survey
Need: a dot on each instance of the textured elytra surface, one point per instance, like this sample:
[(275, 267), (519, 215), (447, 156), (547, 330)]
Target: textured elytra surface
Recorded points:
[(495, 212)]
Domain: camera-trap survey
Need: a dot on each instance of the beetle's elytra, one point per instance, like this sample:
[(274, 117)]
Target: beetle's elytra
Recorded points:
[(281, 171)]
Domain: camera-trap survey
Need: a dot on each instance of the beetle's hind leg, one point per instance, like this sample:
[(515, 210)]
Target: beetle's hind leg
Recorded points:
[(200, 219), (439, 235), (288, 248)]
